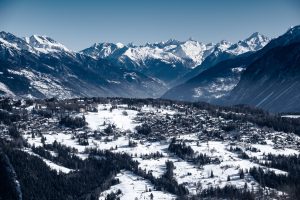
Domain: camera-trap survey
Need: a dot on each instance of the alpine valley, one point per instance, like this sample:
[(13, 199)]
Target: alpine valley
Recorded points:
[(169, 120), (40, 67), (267, 78), (247, 72)]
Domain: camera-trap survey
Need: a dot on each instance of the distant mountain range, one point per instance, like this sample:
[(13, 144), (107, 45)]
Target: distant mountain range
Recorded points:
[(253, 71), (273, 80), (267, 78), (173, 61), (41, 67)]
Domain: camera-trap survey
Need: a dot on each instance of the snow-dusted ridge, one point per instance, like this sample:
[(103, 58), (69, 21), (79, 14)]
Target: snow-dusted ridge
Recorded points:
[(35, 43), (45, 44), (253, 43), (190, 53), (158, 65)]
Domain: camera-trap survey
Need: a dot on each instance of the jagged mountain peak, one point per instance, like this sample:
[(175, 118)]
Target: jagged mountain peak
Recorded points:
[(4, 34), (108, 44), (191, 41), (256, 35), (170, 41), (258, 40), (9, 37), (223, 45), (41, 38), (192, 50), (45, 44), (254, 42), (161, 44), (103, 50), (131, 44), (9, 40)]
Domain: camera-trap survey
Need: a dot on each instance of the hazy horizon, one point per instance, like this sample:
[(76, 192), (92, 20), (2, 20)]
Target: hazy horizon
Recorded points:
[(78, 25)]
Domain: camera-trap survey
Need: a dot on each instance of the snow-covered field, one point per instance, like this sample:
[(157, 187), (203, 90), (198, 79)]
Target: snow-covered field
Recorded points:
[(52, 165), (122, 118), (291, 116), (194, 177), (135, 187)]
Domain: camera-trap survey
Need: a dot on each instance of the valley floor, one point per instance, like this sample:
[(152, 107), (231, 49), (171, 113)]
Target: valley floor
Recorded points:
[(211, 151)]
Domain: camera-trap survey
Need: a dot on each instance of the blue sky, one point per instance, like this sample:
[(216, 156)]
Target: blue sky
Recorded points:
[(80, 23)]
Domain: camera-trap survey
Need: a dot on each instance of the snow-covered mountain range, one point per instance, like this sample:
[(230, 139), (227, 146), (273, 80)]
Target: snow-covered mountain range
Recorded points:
[(190, 53), (34, 44), (39, 66), (263, 78)]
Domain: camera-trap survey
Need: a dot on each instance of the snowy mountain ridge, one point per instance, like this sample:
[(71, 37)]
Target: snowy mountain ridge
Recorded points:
[(190, 53), (45, 44), (170, 51), (255, 42), (50, 65), (40, 67), (264, 78)]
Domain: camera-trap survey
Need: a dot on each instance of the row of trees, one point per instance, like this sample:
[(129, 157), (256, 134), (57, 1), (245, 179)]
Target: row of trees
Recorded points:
[(185, 152), (181, 149), (94, 175), (261, 118), (64, 156), (73, 122), (228, 192), (289, 183), (9, 189), (143, 129), (8, 118), (166, 182)]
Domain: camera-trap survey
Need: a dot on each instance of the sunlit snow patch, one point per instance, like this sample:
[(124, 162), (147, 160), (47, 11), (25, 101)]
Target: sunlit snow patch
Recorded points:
[(135, 187), (121, 117)]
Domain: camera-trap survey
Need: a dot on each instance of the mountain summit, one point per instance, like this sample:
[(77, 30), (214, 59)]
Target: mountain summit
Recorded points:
[(45, 44)]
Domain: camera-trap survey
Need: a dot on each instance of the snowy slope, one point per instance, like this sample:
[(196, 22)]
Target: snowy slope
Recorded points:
[(102, 50), (38, 66), (106, 69), (190, 53), (45, 44), (220, 72), (195, 177), (135, 187), (34, 44), (253, 43), (173, 61)]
